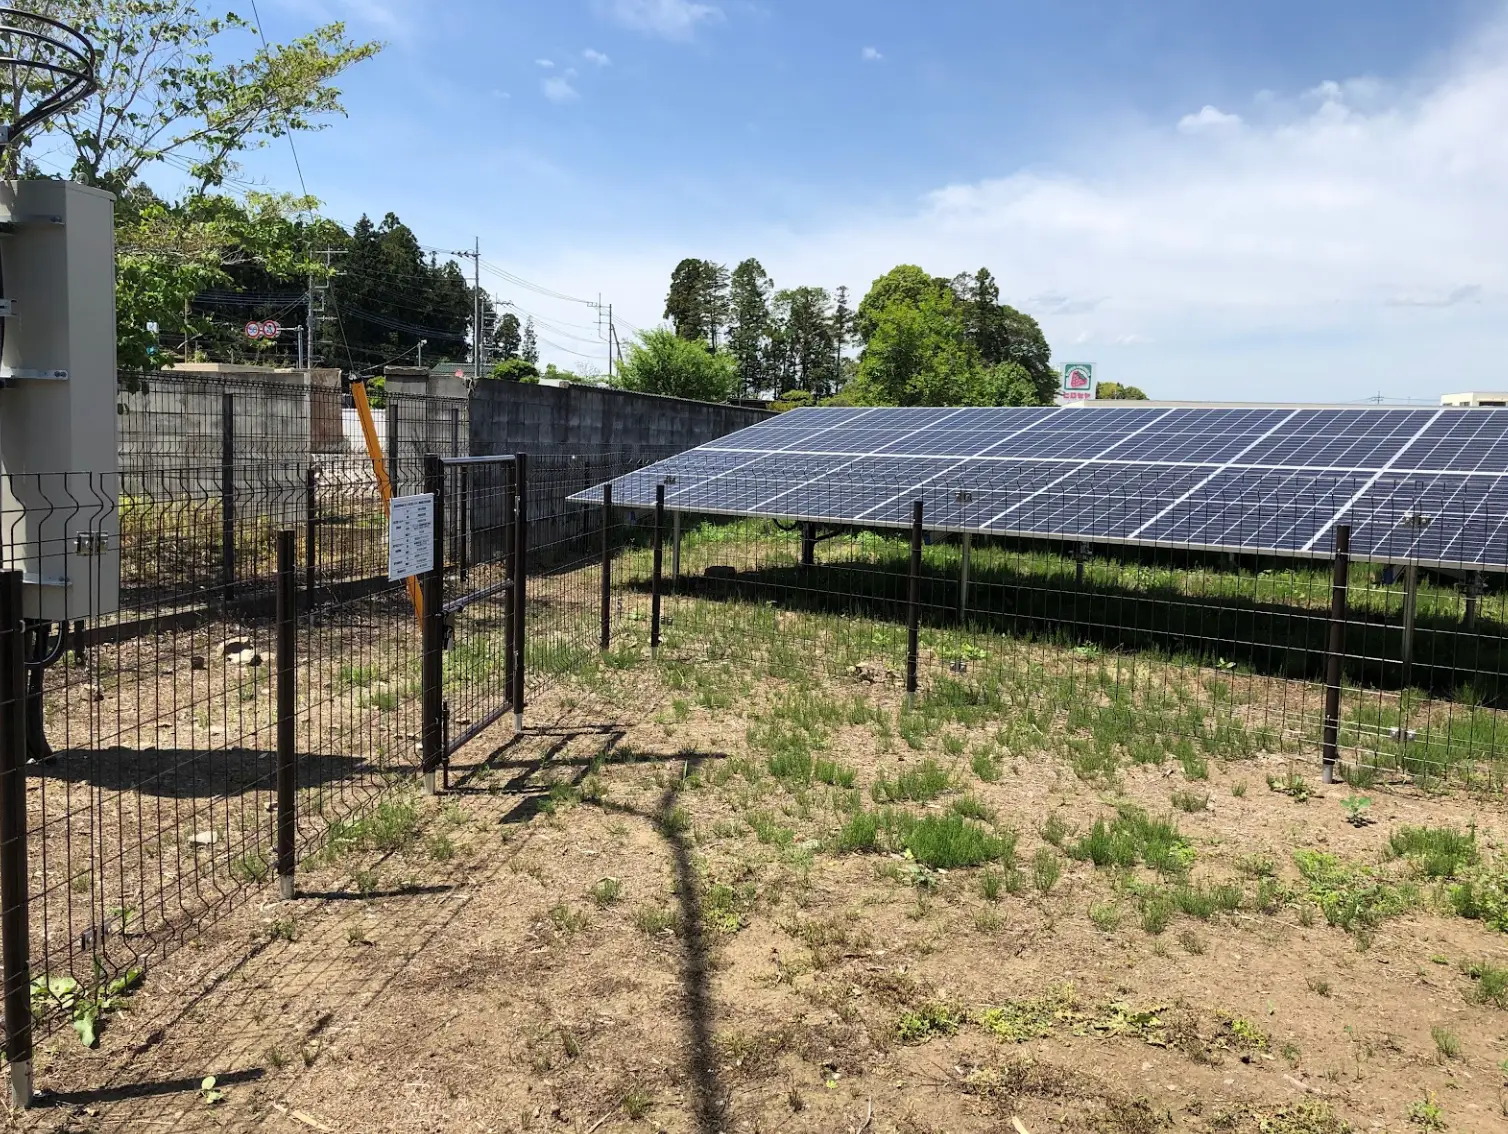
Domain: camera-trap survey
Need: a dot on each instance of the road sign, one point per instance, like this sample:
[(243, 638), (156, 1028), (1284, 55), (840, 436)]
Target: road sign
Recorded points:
[(253, 330), (1078, 382), (410, 536), (271, 329)]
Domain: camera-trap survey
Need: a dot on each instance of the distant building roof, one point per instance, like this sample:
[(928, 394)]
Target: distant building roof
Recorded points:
[(1475, 398)]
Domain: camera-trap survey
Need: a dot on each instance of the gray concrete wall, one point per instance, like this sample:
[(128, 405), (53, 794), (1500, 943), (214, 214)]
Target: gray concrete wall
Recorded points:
[(580, 436)]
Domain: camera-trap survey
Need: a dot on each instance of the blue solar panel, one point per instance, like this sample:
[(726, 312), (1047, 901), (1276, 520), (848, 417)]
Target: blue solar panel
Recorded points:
[(1422, 485)]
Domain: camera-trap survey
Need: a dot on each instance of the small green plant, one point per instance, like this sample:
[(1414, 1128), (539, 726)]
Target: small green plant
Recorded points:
[(929, 1020), (991, 883), (1318, 985), (1238, 789), (1156, 912), (655, 920), (568, 922), (948, 841), (251, 867), (1131, 837), (440, 847), (1248, 1034), (211, 1094), (1426, 1113), (676, 821), (1192, 943), (972, 807), (1191, 802), (1055, 829), (1491, 985), (1047, 868), (283, 929), (1106, 917), (606, 891), (87, 1008), (1447, 1043), (1292, 785), (637, 1103), (356, 935), (1356, 810), (986, 766), (1195, 766)]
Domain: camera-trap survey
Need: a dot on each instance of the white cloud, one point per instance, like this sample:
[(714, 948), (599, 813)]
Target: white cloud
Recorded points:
[(1132, 339), (669, 19), (593, 56), (872, 55), (1208, 118), (545, 63), (558, 88), (1323, 251)]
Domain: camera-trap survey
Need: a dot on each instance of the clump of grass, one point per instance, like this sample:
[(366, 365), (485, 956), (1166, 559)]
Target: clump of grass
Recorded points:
[(1318, 985), (606, 891), (283, 929), (636, 1104), (861, 833), (1353, 898), (1131, 837), (992, 884), (986, 766), (972, 807), (1055, 829), (920, 784), (253, 867), (833, 774), (1191, 802), (932, 1019), (1105, 916), (768, 831), (392, 827), (440, 847), (948, 841), (568, 922), (653, 920), (1426, 1112), (1156, 910), (1192, 943), (1195, 766), (1238, 789), (1491, 985), (1022, 1020), (1292, 785), (1047, 868), (1438, 852), (1447, 1043)]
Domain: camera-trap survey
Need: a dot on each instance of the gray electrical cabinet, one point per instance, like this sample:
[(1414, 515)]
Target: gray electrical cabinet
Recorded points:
[(59, 477)]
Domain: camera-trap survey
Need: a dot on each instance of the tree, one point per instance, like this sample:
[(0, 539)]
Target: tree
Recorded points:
[(842, 328), (749, 328), (904, 284), (509, 336), (917, 355), (515, 370), (529, 349), (174, 87), (697, 303), (1116, 391), (804, 341), (662, 362)]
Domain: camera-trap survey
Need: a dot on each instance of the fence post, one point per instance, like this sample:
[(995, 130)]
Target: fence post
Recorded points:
[(390, 414), (1410, 615), (963, 576), (287, 670), (465, 521), (1336, 651), (227, 493), (433, 661), (808, 544), (913, 602), (655, 583), (607, 565), (15, 925), (311, 538), (520, 575), (510, 570), (675, 549)]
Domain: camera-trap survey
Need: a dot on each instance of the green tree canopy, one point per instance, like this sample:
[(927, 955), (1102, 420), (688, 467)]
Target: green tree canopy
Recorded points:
[(662, 362), (749, 329), (515, 370), (1114, 391)]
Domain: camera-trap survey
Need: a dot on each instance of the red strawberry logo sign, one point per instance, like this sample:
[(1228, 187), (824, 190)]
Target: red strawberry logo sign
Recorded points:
[(1078, 376), (1078, 380)]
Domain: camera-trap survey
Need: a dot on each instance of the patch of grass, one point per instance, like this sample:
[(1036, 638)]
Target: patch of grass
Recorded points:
[(1447, 1043), (283, 929), (1292, 785), (1106, 917), (1156, 911), (1023, 1020), (1192, 943), (654, 920), (1318, 985), (1055, 829), (920, 784), (392, 827), (1131, 837), (440, 847), (833, 774), (972, 807), (991, 884), (1047, 868), (928, 1021), (1354, 898), (987, 766), (769, 832), (637, 1103), (948, 841), (1238, 789), (252, 867), (861, 833), (676, 821), (1304, 1118), (1191, 802), (607, 891), (1482, 895), (1195, 766), (568, 922), (1491, 985), (1438, 852)]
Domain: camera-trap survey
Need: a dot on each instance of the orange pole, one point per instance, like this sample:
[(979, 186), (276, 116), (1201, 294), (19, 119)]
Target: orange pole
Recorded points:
[(384, 486)]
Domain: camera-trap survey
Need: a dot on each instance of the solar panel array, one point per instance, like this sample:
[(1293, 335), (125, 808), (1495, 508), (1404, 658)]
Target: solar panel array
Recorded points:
[(1419, 485)]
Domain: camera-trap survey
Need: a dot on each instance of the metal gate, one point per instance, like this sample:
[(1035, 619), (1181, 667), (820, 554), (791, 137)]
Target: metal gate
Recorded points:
[(472, 603)]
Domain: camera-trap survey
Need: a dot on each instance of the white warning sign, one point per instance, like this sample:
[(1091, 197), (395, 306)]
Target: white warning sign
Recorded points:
[(410, 536)]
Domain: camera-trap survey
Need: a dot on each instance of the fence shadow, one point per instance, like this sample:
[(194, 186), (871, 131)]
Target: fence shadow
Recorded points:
[(198, 773)]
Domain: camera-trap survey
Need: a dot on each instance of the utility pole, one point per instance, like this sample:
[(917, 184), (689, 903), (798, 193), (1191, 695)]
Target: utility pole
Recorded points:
[(316, 318), (475, 255), (307, 362)]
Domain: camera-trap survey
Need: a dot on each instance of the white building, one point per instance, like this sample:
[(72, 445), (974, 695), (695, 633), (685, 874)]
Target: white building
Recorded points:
[(1474, 398)]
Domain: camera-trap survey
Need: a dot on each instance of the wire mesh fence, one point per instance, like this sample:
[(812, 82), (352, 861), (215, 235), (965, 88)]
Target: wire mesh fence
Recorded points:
[(1115, 652)]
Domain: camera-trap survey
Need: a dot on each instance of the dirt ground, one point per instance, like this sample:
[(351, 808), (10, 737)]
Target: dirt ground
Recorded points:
[(624, 922)]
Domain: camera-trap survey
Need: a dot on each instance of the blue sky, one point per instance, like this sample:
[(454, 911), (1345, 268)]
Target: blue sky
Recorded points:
[(1242, 199)]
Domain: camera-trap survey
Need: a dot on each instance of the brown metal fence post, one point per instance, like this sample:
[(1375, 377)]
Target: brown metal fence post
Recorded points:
[(227, 494), (656, 584), (1336, 651), (520, 575), (607, 566), (432, 664), (15, 923), (913, 603), (311, 538), (287, 670)]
